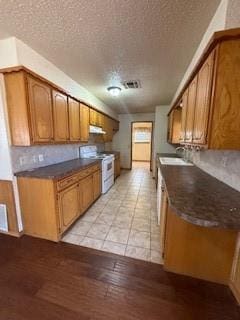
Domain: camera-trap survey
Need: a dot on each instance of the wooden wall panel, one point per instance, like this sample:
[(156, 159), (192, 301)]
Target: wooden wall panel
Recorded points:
[(7, 197)]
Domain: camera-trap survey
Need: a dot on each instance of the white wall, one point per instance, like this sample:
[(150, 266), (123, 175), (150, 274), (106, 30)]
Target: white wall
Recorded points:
[(160, 135), (6, 172), (122, 139), (217, 23)]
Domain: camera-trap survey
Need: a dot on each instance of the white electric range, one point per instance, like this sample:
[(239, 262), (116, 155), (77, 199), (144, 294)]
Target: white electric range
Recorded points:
[(107, 160)]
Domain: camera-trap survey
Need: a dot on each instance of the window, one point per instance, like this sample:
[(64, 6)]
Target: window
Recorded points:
[(142, 135)]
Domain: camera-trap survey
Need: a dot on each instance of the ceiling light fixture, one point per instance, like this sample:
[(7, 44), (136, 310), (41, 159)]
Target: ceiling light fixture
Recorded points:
[(114, 91)]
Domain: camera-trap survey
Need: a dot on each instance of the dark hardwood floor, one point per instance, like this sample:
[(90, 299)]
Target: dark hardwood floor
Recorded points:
[(43, 280)]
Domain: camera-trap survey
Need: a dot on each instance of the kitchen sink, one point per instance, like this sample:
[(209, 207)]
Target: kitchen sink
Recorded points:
[(174, 161)]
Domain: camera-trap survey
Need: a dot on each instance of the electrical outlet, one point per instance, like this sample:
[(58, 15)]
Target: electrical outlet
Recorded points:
[(40, 157), (35, 159), (224, 161), (22, 160)]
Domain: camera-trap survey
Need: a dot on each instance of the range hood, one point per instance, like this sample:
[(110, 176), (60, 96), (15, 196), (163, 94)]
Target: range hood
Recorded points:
[(96, 130)]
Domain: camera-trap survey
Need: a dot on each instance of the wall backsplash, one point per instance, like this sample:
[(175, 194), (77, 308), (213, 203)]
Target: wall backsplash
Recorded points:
[(223, 165), (25, 158)]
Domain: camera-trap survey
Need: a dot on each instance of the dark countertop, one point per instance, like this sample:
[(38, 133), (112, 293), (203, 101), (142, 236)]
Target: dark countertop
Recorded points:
[(59, 170), (200, 198)]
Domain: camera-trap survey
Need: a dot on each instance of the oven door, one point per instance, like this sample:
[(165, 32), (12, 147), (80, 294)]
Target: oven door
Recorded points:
[(108, 168)]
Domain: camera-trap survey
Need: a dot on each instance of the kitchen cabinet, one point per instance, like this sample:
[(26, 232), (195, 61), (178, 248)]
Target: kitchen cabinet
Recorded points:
[(29, 105), (108, 128), (184, 104), (74, 119), (235, 276), (84, 122), (40, 107), (117, 168), (174, 125), (49, 206), (86, 192), (190, 109), (163, 217), (203, 97), (40, 113), (97, 184), (210, 111), (69, 206), (197, 251), (60, 116)]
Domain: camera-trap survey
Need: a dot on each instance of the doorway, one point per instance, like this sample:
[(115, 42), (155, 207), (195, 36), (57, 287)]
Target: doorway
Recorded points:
[(141, 144)]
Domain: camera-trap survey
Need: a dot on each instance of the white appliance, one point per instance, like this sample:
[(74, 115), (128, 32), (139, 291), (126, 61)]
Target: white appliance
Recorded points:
[(159, 194), (107, 160)]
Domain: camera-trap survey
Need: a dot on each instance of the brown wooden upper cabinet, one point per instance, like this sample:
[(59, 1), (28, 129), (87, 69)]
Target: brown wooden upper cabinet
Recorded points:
[(210, 103), (60, 116), (74, 119), (202, 105), (84, 122), (174, 125), (184, 105), (108, 128), (39, 113), (190, 108), (29, 104)]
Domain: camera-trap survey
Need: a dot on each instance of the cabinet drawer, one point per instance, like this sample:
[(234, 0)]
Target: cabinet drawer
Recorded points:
[(67, 182), (88, 171)]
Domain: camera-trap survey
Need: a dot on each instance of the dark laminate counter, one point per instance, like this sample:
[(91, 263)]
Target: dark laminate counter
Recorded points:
[(200, 198), (59, 170)]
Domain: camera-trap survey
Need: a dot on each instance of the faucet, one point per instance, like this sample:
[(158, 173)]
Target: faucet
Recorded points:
[(184, 152)]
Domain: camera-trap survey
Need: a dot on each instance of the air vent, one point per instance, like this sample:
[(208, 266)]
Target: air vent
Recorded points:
[(132, 84)]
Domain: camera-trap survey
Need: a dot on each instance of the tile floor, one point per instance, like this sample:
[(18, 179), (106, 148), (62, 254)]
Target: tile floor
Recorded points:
[(124, 220)]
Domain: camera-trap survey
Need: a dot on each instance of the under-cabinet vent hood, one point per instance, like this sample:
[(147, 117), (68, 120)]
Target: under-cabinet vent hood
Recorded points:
[(96, 130)]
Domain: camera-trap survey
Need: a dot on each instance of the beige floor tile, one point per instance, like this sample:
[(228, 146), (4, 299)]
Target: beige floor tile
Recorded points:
[(98, 231), (91, 243), (155, 242), (118, 235), (155, 228), (128, 204), (110, 210), (138, 253), (81, 227), (139, 239), (114, 247), (90, 216), (72, 238), (156, 257), (122, 221), (141, 224), (106, 218), (142, 213)]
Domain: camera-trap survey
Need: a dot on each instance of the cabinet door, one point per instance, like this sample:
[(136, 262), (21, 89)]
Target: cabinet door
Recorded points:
[(74, 119), (190, 110), (60, 114), (184, 115), (174, 126), (92, 117), (69, 206), (84, 122), (86, 192), (97, 184), (40, 104), (203, 100), (235, 276)]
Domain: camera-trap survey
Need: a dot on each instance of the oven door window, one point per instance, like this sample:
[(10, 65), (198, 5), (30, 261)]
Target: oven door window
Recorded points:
[(109, 166)]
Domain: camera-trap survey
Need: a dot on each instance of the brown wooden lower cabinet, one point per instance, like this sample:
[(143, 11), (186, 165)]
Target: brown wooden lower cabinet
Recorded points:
[(235, 276), (199, 252), (117, 168), (49, 206)]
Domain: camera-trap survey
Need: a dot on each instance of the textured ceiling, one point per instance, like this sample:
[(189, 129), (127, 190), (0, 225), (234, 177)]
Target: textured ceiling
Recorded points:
[(100, 43)]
